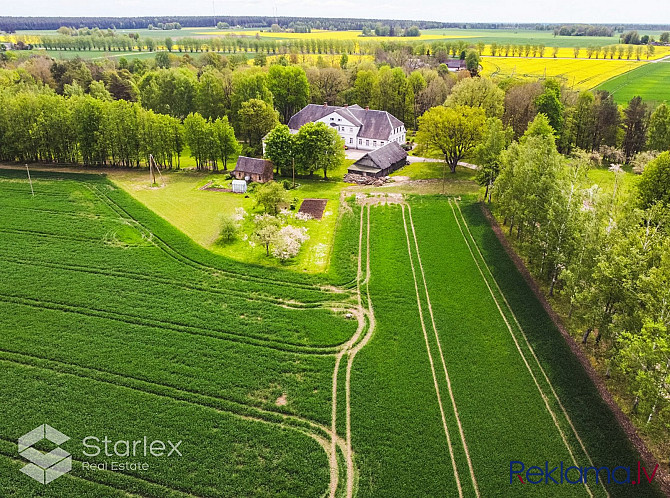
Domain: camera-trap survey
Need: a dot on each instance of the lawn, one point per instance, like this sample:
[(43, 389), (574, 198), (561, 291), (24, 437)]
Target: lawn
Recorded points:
[(198, 214), (575, 73), (649, 81)]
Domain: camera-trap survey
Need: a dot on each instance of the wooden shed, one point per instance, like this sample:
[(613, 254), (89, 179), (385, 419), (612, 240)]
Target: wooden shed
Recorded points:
[(252, 169), (380, 162)]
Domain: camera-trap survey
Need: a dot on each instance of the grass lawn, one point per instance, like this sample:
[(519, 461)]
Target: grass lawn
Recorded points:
[(198, 214), (651, 82)]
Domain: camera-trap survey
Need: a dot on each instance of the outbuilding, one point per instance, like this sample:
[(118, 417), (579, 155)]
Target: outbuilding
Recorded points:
[(252, 169), (239, 186), (380, 162)]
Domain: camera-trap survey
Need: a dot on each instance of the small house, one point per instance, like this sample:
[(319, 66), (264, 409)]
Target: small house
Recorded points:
[(380, 162), (253, 170)]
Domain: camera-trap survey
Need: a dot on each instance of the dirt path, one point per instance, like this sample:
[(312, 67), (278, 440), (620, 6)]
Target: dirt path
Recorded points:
[(439, 346), (545, 399)]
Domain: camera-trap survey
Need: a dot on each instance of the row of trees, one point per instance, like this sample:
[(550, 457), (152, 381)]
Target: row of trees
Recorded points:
[(605, 253), (55, 129)]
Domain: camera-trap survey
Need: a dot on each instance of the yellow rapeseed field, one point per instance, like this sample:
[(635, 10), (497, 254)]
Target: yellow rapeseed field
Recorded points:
[(569, 53), (577, 73)]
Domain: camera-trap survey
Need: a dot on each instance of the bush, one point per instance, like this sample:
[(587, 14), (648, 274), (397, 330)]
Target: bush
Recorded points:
[(654, 185), (228, 228)]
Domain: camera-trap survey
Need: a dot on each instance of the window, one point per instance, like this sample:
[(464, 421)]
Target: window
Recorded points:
[(351, 140), (339, 119), (360, 141), (351, 130), (374, 143), (367, 142), (381, 143)]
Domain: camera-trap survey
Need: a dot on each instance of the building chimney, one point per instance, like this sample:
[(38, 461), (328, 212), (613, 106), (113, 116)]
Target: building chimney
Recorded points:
[(367, 108), (325, 104), (346, 105)]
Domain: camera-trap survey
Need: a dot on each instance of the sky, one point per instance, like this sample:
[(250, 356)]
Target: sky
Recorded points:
[(550, 11)]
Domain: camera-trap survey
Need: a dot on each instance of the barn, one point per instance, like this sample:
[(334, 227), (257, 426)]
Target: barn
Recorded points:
[(380, 162), (252, 169)]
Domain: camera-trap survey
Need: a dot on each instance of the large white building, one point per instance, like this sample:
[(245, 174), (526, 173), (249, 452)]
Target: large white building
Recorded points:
[(365, 129)]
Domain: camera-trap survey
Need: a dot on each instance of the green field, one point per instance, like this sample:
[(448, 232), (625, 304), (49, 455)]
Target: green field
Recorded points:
[(116, 324), (651, 82)]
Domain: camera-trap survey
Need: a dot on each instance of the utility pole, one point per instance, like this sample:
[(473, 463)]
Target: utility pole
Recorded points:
[(31, 182)]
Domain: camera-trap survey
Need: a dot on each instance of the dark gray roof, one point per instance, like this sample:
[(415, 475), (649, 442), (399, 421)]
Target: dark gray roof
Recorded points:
[(382, 158), (253, 165), (456, 64), (374, 124)]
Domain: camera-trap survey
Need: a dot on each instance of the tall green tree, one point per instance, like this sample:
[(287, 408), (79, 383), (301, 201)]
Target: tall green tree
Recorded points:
[(318, 147), (280, 148), (290, 89), (659, 129), (256, 118), (453, 132), (635, 127)]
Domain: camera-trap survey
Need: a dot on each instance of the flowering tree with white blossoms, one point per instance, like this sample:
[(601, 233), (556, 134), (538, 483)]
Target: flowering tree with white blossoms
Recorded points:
[(287, 242)]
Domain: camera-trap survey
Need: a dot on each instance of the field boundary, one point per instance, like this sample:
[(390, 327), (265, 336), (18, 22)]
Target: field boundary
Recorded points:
[(623, 419)]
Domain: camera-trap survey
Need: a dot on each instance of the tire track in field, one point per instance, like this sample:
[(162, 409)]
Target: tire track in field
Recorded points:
[(71, 475), (320, 433), (527, 342), (285, 347), (430, 358), (359, 312), (188, 261), (439, 347), (545, 399)]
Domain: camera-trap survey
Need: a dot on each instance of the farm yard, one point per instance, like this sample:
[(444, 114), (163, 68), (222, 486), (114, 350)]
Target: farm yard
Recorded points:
[(418, 363)]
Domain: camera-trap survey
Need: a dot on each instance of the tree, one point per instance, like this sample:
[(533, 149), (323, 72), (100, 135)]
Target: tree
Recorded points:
[(98, 91), (478, 92), (454, 132), (488, 153), (266, 227), (635, 127), (200, 139), (287, 242), (211, 98), (654, 186), (520, 106), (659, 129), (366, 87), (549, 103), (472, 62), (290, 89), (228, 228), (272, 196), (225, 142), (256, 118), (162, 59), (279, 148), (318, 147)]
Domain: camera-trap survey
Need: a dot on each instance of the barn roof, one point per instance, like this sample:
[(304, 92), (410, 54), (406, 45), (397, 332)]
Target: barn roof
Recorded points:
[(381, 158), (374, 124), (252, 165)]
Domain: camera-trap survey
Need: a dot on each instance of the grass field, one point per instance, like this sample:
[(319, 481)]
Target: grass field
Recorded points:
[(116, 324), (651, 82), (576, 73)]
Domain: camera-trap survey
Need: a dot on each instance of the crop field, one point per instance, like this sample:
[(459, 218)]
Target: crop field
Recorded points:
[(651, 82), (420, 364), (581, 74)]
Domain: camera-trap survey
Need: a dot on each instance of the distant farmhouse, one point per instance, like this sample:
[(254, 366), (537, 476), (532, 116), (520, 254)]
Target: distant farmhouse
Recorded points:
[(253, 170), (456, 65), (365, 129), (380, 162)]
